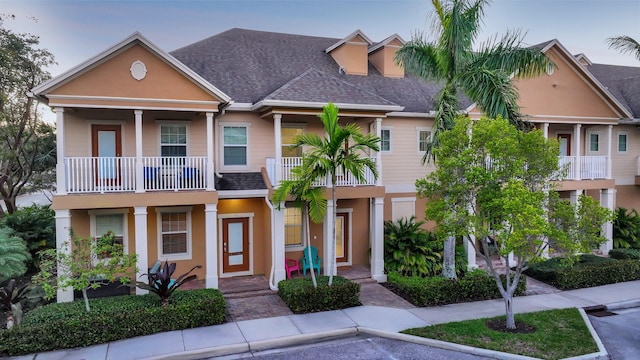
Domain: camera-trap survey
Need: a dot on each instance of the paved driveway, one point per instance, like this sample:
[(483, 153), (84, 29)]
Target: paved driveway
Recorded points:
[(620, 334)]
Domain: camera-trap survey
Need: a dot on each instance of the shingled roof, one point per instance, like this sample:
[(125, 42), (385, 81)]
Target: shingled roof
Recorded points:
[(251, 65), (622, 81)]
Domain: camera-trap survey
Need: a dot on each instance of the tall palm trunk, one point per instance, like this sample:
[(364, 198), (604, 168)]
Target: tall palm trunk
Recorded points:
[(333, 230), (307, 235)]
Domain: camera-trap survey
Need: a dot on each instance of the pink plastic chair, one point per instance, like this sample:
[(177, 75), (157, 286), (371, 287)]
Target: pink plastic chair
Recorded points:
[(291, 265)]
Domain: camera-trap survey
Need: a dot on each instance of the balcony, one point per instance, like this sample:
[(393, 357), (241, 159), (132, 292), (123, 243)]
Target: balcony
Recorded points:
[(289, 163), (584, 167), (118, 174)]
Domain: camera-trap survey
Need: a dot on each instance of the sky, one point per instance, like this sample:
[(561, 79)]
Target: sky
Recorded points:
[(75, 30)]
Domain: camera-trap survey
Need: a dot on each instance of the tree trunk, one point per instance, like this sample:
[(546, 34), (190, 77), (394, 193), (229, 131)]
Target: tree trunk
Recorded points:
[(333, 232), (449, 261), (307, 235), (508, 303), (86, 299)]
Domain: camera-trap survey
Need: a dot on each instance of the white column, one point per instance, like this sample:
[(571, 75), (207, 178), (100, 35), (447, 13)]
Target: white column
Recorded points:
[(277, 136), (545, 130), (63, 244), (61, 178), (379, 153), (607, 198), (377, 241), (574, 196), (328, 240), (211, 245), (140, 219), (139, 165), (610, 143), (278, 244), (211, 184), (576, 151)]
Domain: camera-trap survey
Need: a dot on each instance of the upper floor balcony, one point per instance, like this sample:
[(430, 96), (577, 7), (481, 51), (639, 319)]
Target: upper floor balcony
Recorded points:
[(584, 167), (289, 163)]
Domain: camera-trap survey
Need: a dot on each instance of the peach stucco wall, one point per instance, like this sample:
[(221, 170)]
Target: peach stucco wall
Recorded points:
[(112, 78), (383, 60), (352, 56)]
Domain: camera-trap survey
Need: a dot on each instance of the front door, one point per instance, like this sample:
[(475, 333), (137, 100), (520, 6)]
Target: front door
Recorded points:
[(342, 237), (106, 149), (235, 245), (565, 144)]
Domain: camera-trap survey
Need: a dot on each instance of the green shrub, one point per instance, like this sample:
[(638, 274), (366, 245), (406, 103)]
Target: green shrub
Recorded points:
[(578, 277), (475, 285), (36, 225), (626, 229), (68, 325), (625, 254), (547, 270), (301, 297), (13, 255), (410, 250)]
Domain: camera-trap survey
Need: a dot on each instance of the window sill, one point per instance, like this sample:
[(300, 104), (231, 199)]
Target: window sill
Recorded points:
[(292, 248), (174, 257)]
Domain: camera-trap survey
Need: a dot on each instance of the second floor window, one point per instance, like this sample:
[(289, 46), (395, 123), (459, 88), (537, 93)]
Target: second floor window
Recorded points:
[(594, 142), (173, 140), (235, 145), (424, 137), (385, 140), (289, 134), (622, 142)]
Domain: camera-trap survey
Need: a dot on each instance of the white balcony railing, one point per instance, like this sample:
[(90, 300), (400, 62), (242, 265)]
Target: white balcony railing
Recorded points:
[(118, 174), (591, 167), (289, 163)]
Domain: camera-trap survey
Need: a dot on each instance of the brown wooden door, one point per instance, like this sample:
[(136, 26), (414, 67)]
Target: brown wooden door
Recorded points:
[(565, 144), (342, 237), (235, 245), (106, 148)]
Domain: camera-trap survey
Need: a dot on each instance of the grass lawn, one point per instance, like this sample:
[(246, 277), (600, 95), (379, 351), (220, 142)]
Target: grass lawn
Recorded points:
[(560, 334)]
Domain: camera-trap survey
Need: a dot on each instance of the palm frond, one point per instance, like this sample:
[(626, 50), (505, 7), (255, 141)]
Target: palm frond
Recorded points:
[(625, 44), (420, 59)]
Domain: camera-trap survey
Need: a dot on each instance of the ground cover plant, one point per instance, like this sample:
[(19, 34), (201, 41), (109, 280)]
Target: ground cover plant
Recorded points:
[(625, 254), (554, 334), (302, 297), (68, 325), (626, 229)]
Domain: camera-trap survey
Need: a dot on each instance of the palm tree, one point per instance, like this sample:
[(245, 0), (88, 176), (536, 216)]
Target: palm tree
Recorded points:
[(484, 76), (625, 44), (341, 150)]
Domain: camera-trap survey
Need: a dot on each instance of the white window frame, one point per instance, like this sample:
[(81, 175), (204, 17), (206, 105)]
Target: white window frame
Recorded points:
[(302, 231), (125, 229), (419, 129), (223, 125), (626, 144), (390, 130), (294, 126), (161, 123), (588, 142), (174, 209)]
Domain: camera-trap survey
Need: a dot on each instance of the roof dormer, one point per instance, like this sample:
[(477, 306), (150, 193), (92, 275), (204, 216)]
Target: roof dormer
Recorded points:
[(351, 53), (382, 56), (583, 59)]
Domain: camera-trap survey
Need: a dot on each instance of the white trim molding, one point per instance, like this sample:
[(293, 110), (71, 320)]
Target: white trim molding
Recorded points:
[(174, 209)]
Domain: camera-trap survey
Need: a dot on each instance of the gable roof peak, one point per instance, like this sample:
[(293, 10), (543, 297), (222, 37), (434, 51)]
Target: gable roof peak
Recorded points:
[(376, 46), (358, 32)]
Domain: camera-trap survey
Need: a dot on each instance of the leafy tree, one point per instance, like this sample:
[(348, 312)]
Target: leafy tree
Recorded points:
[(85, 264), (310, 198), (625, 44), (409, 249), (36, 225), (626, 229), (27, 144), (13, 255), (493, 180), (484, 76), (340, 150)]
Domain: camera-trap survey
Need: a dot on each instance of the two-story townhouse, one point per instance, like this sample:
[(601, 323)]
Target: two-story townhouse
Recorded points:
[(178, 153)]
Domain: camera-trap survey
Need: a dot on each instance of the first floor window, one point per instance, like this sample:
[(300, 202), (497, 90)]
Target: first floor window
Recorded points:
[(173, 140), (385, 140), (235, 145), (110, 223), (622, 142), (174, 233), (293, 226), (594, 142)]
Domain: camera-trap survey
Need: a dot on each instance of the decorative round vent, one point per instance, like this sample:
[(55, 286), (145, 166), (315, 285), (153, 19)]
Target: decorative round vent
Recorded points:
[(138, 70)]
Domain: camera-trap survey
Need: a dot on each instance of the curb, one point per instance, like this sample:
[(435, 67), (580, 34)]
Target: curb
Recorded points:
[(444, 345), (626, 304), (258, 345)]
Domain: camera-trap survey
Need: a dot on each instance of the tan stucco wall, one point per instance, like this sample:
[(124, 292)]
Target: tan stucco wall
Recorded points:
[(352, 56), (112, 78), (383, 60), (628, 197)]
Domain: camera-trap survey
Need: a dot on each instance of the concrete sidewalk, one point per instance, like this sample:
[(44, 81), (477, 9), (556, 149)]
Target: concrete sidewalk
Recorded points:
[(268, 333)]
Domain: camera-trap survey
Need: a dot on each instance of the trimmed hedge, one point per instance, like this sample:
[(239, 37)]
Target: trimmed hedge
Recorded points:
[(68, 325), (475, 285), (598, 274), (547, 270), (625, 254), (301, 297)]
